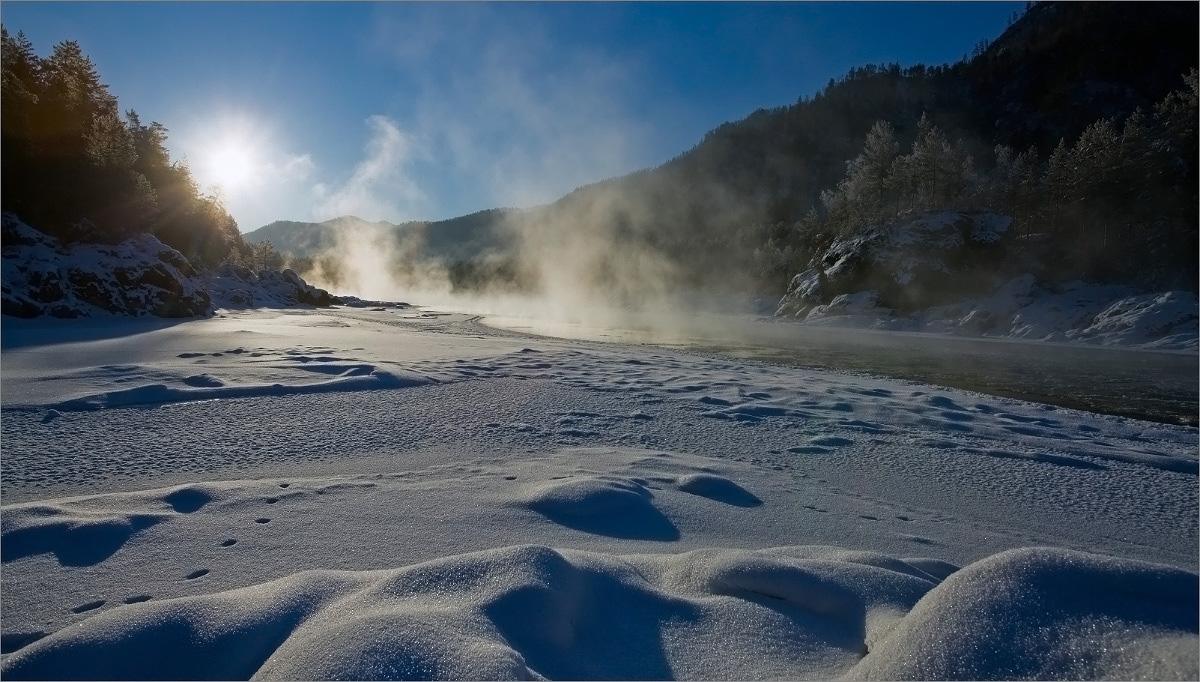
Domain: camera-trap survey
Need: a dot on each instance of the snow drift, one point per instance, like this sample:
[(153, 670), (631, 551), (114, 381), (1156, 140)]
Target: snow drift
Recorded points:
[(532, 612)]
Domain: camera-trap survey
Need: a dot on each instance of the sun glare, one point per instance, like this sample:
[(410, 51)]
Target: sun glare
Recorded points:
[(231, 164)]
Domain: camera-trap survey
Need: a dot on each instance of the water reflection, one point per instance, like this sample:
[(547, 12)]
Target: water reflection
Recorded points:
[(1159, 386)]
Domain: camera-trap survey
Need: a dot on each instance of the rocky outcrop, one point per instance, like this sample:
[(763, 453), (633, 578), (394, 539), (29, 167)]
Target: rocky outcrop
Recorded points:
[(234, 286), (139, 276), (925, 261), (953, 273)]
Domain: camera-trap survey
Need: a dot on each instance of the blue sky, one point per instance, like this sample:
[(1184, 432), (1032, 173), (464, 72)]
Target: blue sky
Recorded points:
[(402, 111)]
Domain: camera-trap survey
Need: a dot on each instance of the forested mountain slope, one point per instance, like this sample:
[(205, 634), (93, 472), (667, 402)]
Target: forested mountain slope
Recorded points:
[(1078, 122)]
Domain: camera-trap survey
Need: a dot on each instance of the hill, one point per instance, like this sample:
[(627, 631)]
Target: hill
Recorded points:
[(1078, 122), (462, 237)]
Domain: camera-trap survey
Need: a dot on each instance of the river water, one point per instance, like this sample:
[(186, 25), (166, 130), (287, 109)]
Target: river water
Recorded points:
[(1161, 386)]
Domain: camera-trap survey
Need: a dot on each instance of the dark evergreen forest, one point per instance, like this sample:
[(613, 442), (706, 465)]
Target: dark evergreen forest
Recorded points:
[(1079, 122), (77, 169)]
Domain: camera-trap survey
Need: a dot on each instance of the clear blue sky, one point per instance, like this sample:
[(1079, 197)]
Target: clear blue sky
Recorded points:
[(399, 111)]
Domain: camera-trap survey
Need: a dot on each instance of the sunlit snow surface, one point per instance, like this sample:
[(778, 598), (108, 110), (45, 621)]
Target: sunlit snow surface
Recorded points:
[(396, 493)]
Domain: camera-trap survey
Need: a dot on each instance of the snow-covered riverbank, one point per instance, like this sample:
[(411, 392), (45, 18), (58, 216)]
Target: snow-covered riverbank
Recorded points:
[(396, 492)]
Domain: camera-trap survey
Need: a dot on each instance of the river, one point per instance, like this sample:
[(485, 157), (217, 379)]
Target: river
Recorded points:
[(1161, 386)]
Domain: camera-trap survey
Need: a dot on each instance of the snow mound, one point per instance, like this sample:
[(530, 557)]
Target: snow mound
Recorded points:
[(612, 506), (718, 488), (533, 612), (204, 387), (1047, 614)]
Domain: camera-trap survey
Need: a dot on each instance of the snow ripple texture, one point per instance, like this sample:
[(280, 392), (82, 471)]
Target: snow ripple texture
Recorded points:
[(397, 494)]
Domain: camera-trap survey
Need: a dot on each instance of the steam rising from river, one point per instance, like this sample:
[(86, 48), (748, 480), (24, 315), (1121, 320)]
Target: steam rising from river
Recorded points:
[(588, 259)]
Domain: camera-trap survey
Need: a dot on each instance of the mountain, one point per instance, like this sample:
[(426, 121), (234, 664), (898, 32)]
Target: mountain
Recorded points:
[(464, 237), (307, 239), (750, 205)]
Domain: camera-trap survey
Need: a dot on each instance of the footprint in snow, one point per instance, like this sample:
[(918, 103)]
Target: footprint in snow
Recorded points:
[(137, 598), (229, 543), (89, 606), (832, 441), (200, 573), (809, 450)]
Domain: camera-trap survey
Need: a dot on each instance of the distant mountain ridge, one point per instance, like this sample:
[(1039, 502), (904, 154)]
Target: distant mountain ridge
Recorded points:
[(463, 237)]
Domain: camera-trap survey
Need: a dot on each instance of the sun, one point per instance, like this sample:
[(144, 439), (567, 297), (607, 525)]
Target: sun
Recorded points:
[(232, 164)]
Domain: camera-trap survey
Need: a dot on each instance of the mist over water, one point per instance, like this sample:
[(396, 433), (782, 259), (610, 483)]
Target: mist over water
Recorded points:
[(592, 258), (583, 282)]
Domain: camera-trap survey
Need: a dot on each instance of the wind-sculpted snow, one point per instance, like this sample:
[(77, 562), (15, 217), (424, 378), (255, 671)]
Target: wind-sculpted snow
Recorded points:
[(224, 498), (207, 388), (532, 612), (1045, 613)]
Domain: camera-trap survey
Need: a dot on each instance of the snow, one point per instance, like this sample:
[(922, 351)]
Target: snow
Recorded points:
[(924, 259), (140, 275), (360, 493), (1108, 315), (39, 275)]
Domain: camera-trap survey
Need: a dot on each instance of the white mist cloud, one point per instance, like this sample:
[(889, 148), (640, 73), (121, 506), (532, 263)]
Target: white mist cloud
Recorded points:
[(516, 113), (382, 186), (293, 167)]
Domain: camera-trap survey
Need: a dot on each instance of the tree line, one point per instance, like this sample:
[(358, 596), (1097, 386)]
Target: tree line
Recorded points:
[(1116, 204), (77, 169)]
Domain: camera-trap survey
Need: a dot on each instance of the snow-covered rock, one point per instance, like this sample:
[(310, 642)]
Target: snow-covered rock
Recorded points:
[(899, 279), (1164, 320), (909, 265), (862, 303), (237, 287), (1109, 315), (139, 276)]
